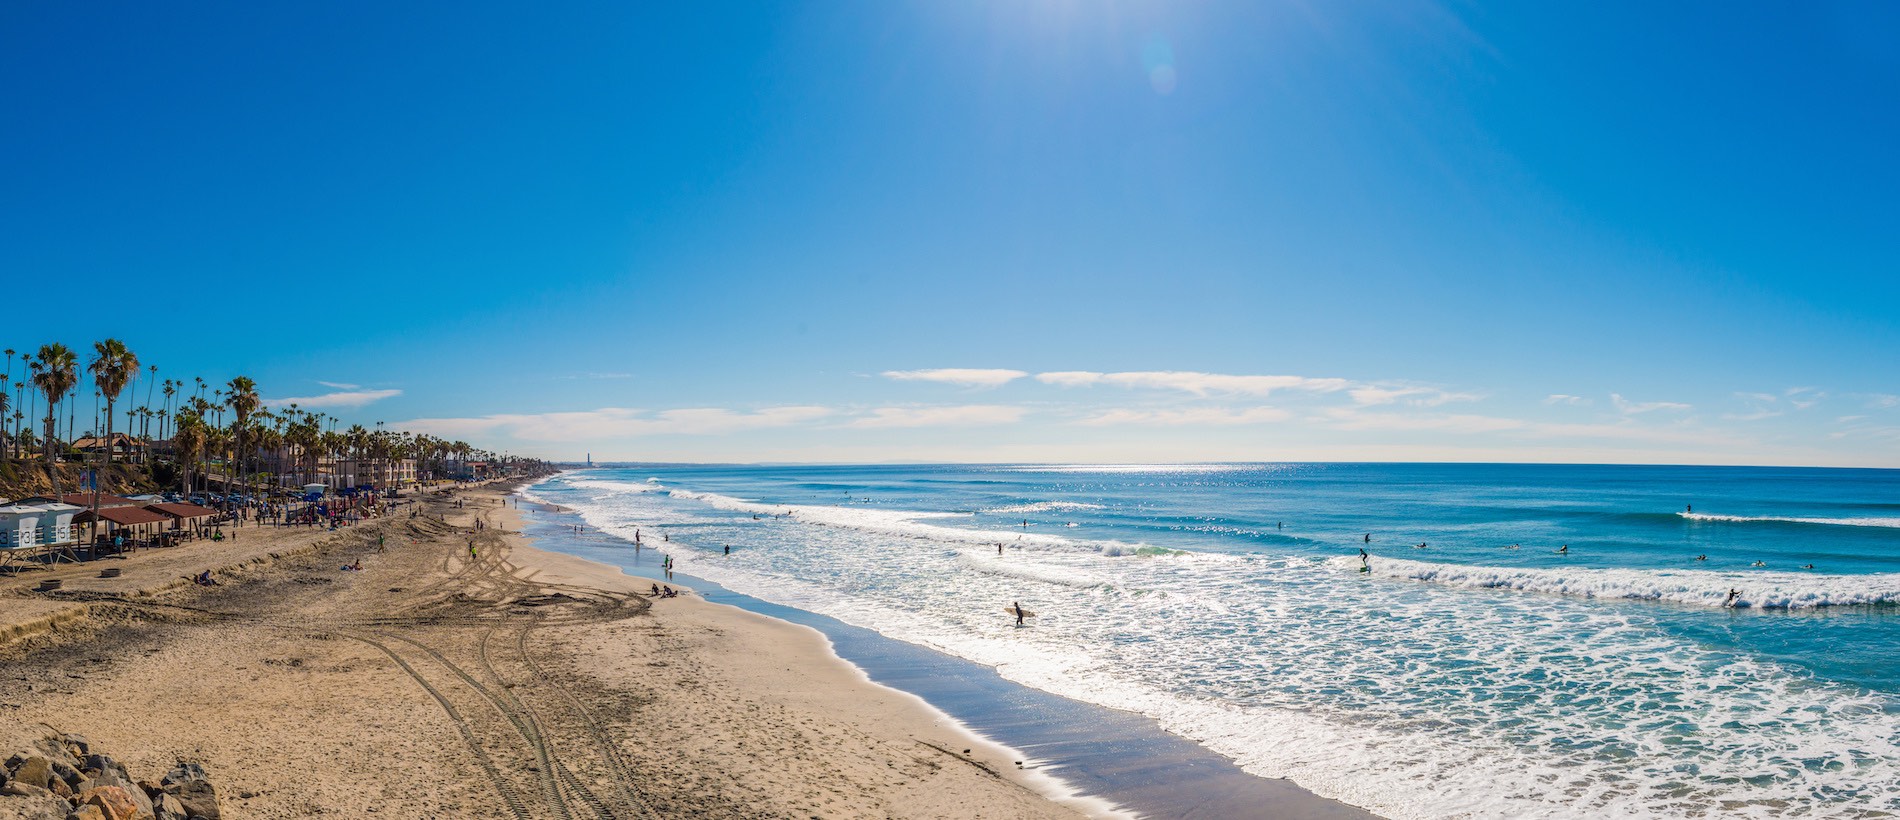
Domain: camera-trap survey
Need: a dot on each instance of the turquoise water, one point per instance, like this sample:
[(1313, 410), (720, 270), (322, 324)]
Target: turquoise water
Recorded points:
[(1484, 674)]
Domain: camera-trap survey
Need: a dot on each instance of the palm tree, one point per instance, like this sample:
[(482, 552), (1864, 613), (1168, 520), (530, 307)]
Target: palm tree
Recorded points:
[(171, 389), (243, 400), (113, 365), (56, 375), (188, 443), (3, 416)]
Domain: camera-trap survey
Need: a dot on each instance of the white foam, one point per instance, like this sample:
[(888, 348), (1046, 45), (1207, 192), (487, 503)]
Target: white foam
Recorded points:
[(1043, 506), (1770, 590), (1838, 522)]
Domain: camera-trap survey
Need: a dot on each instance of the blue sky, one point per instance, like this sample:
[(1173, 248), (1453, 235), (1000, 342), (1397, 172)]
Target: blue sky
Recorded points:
[(1014, 231)]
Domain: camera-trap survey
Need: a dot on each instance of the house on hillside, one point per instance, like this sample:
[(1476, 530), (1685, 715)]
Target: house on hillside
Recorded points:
[(120, 445)]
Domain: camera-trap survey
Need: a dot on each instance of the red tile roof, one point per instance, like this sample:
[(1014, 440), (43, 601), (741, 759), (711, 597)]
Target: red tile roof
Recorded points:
[(181, 510), (124, 516), (85, 500)]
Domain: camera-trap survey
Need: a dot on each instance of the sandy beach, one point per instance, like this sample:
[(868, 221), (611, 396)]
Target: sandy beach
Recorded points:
[(511, 683)]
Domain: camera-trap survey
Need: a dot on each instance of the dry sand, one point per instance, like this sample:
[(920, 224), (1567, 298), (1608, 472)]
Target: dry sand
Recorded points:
[(516, 684)]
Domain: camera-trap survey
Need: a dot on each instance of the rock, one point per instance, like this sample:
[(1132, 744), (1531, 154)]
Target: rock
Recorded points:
[(66, 771), (152, 789), (79, 745), (60, 788), (87, 813), (167, 807), (35, 771), (193, 789), (115, 803), (23, 802)]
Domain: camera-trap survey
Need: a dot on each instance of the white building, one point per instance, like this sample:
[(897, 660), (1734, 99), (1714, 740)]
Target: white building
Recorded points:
[(26, 526)]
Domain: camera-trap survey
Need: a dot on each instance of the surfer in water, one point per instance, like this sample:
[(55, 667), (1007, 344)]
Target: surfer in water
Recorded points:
[(1368, 538), (1563, 550), (1017, 605), (1732, 595), (1702, 558), (1365, 561), (1688, 508), (1421, 545), (1759, 563)]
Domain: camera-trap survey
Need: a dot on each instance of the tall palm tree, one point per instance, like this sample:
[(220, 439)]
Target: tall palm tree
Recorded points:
[(3, 417), (171, 389), (242, 397), (188, 443), (113, 365), (56, 376)]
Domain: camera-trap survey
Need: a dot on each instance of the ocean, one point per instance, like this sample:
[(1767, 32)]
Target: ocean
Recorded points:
[(1529, 640)]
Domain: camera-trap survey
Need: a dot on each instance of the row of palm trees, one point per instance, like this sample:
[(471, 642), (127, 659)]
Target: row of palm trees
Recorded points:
[(257, 447)]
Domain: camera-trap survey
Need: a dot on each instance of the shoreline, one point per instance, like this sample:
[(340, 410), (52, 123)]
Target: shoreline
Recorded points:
[(465, 673), (1122, 759)]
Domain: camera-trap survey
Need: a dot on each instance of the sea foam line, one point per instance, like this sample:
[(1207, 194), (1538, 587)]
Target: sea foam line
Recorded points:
[(1835, 522), (1767, 590)]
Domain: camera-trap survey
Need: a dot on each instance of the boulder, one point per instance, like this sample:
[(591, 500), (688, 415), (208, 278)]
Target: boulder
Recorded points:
[(115, 803), (188, 783), (78, 743), (34, 771), (167, 807), (23, 802), (87, 813)]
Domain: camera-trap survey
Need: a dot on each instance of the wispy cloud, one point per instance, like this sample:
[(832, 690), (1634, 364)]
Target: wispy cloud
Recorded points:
[(1347, 418), (1631, 408), (959, 416), (1883, 401), (960, 376), (341, 385), (342, 398), (1199, 384), (1413, 395), (617, 422), (1188, 416), (1565, 398)]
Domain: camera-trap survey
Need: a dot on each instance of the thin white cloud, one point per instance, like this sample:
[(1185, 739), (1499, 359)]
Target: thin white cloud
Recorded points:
[(1768, 398), (959, 416), (1419, 396), (1883, 401), (960, 376), (617, 422), (341, 385), (1193, 416), (1199, 384), (1630, 408), (342, 398), (1757, 415), (1565, 398)]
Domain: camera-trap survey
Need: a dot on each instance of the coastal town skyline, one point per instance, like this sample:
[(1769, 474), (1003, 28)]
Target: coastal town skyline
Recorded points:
[(986, 232)]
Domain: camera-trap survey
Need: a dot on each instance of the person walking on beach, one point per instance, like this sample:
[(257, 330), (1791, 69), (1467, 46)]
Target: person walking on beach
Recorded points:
[(471, 549), (728, 549), (1017, 605)]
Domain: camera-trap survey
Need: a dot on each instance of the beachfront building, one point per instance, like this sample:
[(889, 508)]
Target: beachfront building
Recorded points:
[(382, 473), (29, 525), (131, 522), (183, 516)]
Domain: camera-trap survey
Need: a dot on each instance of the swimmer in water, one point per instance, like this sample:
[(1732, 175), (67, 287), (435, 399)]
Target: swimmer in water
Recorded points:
[(1807, 566), (1563, 550), (1421, 545), (1759, 564), (1702, 558), (1512, 547), (1732, 595)]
